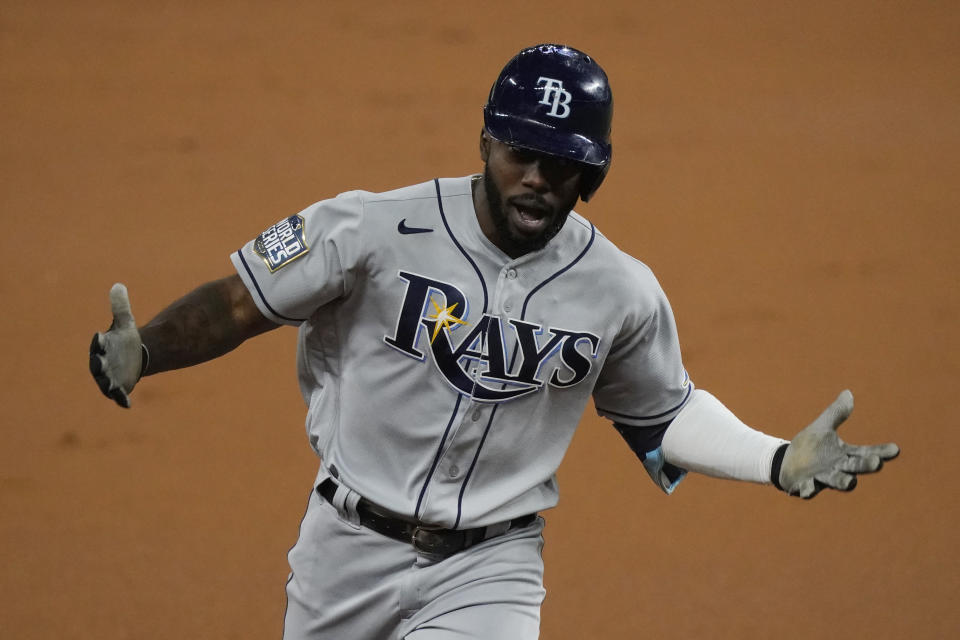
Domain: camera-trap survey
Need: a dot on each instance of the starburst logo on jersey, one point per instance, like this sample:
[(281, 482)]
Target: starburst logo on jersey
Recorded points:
[(443, 319), (282, 243), (479, 365)]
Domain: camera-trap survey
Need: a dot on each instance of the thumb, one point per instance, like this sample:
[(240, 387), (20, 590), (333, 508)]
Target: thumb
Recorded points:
[(120, 305), (838, 411)]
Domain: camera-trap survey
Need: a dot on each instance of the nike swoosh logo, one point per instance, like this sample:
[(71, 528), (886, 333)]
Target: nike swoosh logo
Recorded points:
[(403, 228)]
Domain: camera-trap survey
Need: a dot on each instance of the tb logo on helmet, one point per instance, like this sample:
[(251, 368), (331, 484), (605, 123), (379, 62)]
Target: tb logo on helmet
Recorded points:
[(556, 96)]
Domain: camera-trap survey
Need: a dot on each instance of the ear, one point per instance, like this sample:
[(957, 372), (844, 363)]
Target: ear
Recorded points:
[(484, 146)]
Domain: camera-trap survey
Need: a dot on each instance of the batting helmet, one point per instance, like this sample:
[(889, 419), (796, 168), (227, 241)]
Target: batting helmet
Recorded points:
[(554, 99)]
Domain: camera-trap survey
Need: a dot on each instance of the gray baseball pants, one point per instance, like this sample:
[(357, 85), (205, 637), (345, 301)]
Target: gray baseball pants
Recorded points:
[(348, 582)]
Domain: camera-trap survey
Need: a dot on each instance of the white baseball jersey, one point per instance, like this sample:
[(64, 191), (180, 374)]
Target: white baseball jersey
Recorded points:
[(444, 379)]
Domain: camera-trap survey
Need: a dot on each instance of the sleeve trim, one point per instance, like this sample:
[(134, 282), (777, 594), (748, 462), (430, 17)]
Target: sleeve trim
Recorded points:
[(658, 416), (263, 299)]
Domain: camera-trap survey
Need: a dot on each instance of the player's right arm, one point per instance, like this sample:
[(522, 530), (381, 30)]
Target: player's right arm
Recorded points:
[(208, 322)]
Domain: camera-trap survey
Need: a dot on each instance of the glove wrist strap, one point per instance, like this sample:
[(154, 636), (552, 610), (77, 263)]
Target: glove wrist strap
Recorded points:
[(144, 360), (777, 463)]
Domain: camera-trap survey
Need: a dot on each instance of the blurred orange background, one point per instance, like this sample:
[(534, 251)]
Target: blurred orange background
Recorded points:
[(789, 171)]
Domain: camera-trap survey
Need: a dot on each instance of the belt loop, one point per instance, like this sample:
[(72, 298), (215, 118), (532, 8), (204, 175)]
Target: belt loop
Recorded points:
[(350, 504), (345, 502)]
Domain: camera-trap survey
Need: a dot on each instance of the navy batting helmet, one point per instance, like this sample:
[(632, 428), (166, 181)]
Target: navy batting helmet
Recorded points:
[(556, 100)]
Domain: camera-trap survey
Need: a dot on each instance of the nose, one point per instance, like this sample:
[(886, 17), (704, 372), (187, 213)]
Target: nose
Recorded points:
[(534, 176)]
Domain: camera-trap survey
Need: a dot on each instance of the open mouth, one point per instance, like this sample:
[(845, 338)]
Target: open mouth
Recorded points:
[(530, 218)]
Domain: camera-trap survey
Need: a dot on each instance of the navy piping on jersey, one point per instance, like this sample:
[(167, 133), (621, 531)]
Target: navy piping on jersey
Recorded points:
[(593, 234), (456, 407), (473, 463), (436, 458), (260, 292), (443, 217), (653, 417), (513, 360)]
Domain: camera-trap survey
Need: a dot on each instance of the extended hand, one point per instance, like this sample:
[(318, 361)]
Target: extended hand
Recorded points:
[(818, 458), (117, 356)]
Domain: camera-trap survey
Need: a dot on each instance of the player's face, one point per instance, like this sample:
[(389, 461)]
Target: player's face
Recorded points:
[(528, 196)]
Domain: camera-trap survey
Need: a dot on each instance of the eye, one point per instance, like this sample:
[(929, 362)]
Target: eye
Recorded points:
[(562, 164), (563, 167), (522, 155)]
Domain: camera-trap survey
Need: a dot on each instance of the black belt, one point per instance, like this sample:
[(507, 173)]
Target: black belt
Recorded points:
[(425, 538)]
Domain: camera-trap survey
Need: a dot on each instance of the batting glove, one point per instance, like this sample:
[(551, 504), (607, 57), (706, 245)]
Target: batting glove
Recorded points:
[(117, 357), (817, 458)]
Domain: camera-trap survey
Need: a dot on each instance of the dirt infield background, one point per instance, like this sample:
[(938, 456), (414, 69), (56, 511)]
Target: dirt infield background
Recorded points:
[(789, 170)]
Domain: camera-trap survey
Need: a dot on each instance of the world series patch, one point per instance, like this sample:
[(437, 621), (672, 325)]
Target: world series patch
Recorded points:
[(282, 243)]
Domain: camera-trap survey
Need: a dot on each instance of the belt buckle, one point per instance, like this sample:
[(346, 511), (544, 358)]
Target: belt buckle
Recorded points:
[(426, 539)]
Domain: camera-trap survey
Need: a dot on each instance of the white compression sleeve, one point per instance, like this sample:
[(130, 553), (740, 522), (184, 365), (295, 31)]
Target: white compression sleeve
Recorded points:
[(707, 438)]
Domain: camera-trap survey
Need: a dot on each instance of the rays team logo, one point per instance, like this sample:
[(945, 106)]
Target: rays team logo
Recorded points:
[(555, 96), (282, 243), (478, 364)]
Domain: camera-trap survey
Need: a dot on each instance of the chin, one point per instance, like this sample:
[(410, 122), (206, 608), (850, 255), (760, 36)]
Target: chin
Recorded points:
[(528, 243)]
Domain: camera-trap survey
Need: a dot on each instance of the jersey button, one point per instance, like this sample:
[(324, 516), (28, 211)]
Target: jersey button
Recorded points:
[(507, 306), (476, 415), (512, 274), (454, 471)]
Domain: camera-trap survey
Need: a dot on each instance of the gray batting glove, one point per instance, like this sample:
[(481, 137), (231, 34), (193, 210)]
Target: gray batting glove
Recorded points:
[(817, 458), (117, 357)]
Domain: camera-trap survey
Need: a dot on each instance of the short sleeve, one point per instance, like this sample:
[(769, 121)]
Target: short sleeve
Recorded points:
[(305, 260), (643, 381)]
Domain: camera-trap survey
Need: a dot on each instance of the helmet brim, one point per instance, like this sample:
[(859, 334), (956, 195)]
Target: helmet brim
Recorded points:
[(535, 135)]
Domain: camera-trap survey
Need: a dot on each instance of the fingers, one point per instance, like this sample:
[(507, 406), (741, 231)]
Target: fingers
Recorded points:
[(887, 451), (810, 487), (843, 477), (858, 464), (841, 408), (120, 305), (867, 459), (807, 489), (96, 349), (106, 386), (97, 360), (838, 480), (120, 397), (833, 480)]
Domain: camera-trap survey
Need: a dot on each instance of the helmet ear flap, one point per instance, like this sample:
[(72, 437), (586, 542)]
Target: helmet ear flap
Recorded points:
[(591, 179)]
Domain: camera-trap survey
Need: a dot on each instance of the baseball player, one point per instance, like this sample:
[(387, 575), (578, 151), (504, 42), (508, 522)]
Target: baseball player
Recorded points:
[(450, 336)]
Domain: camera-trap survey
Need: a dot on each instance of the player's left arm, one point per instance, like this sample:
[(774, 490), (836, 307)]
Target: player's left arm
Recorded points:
[(708, 438)]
